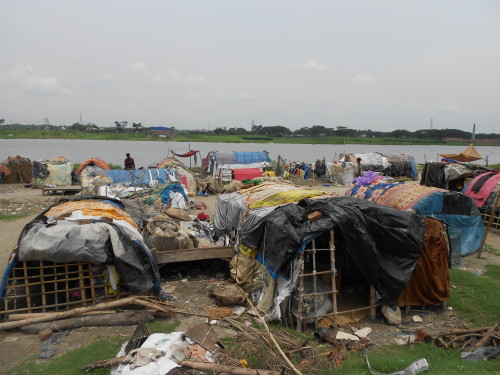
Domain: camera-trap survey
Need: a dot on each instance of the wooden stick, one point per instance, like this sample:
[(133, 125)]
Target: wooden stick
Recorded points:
[(490, 221), (14, 317), (461, 331), (118, 319), (226, 369), (273, 339), (485, 338), (67, 314), (104, 363)]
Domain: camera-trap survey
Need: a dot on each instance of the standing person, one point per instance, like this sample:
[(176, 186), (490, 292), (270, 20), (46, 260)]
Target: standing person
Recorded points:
[(358, 170), (129, 162)]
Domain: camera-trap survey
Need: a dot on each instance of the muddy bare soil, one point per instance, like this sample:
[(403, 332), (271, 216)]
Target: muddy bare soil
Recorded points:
[(189, 283)]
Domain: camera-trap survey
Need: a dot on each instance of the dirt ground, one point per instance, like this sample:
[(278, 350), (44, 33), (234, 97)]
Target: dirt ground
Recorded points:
[(187, 283)]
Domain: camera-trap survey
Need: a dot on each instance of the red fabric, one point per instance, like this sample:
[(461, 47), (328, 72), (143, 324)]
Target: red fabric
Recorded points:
[(202, 216), (184, 181), (98, 162), (187, 154), (482, 195), (5, 170), (246, 174)]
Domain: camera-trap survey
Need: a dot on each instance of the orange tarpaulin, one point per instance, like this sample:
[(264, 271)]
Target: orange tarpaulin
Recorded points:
[(469, 154), (96, 161)]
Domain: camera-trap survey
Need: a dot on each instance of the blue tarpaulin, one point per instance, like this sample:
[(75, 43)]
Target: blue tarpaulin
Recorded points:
[(251, 157), (138, 177)]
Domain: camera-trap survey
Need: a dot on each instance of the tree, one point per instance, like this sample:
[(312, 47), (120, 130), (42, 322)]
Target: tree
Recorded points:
[(401, 133), (2, 121), (137, 127), (120, 126)]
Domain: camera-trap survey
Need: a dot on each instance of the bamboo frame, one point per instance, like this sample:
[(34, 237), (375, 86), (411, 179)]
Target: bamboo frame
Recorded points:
[(301, 319), (40, 287)]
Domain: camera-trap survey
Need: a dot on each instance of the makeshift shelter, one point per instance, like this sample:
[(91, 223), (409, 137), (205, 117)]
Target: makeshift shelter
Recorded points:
[(92, 175), (450, 176), (403, 256), (78, 251), (183, 173), (468, 155), (56, 172), (455, 209), (222, 164), (484, 190), (341, 173), (17, 170), (389, 164)]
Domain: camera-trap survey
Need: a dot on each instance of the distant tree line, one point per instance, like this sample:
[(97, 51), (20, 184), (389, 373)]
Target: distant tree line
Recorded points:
[(344, 131), (273, 131)]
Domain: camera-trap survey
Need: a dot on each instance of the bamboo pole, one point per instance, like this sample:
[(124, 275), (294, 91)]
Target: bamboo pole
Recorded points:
[(490, 221), (226, 369), (67, 314), (23, 316)]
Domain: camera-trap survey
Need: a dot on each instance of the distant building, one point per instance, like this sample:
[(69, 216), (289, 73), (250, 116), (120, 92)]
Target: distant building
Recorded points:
[(161, 132)]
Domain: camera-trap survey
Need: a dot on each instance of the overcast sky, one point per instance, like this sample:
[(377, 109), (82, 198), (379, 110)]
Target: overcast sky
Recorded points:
[(381, 64)]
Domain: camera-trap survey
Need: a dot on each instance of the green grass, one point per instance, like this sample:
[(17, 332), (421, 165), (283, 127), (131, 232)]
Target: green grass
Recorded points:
[(214, 138), (70, 362), (14, 217), (475, 298), (385, 359), (388, 359)]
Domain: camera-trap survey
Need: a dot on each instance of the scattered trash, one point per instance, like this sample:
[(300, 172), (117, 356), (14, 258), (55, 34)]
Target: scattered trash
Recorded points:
[(417, 319), (483, 353), (414, 368), (238, 310), (204, 335), (346, 336), (364, 332), (405, 339), (393, 316), (47, 350)]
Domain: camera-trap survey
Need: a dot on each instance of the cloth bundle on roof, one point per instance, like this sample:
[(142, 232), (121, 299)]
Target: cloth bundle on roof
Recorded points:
[(468, 155), (93, 230), (481, 188), (231, 207), (457, 210)]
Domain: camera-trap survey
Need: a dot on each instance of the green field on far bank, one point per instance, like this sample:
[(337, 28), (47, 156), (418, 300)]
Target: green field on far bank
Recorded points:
[(214, 138)]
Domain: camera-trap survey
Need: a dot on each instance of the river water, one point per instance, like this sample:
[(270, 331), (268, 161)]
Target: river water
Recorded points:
[(147, 153)]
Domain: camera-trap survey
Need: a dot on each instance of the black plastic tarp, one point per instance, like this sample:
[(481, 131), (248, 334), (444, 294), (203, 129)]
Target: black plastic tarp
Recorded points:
[(385, 243), (433, 175)]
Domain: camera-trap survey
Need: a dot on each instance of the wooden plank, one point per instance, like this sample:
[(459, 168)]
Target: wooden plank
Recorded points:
[(61, 189), (183, 255)]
